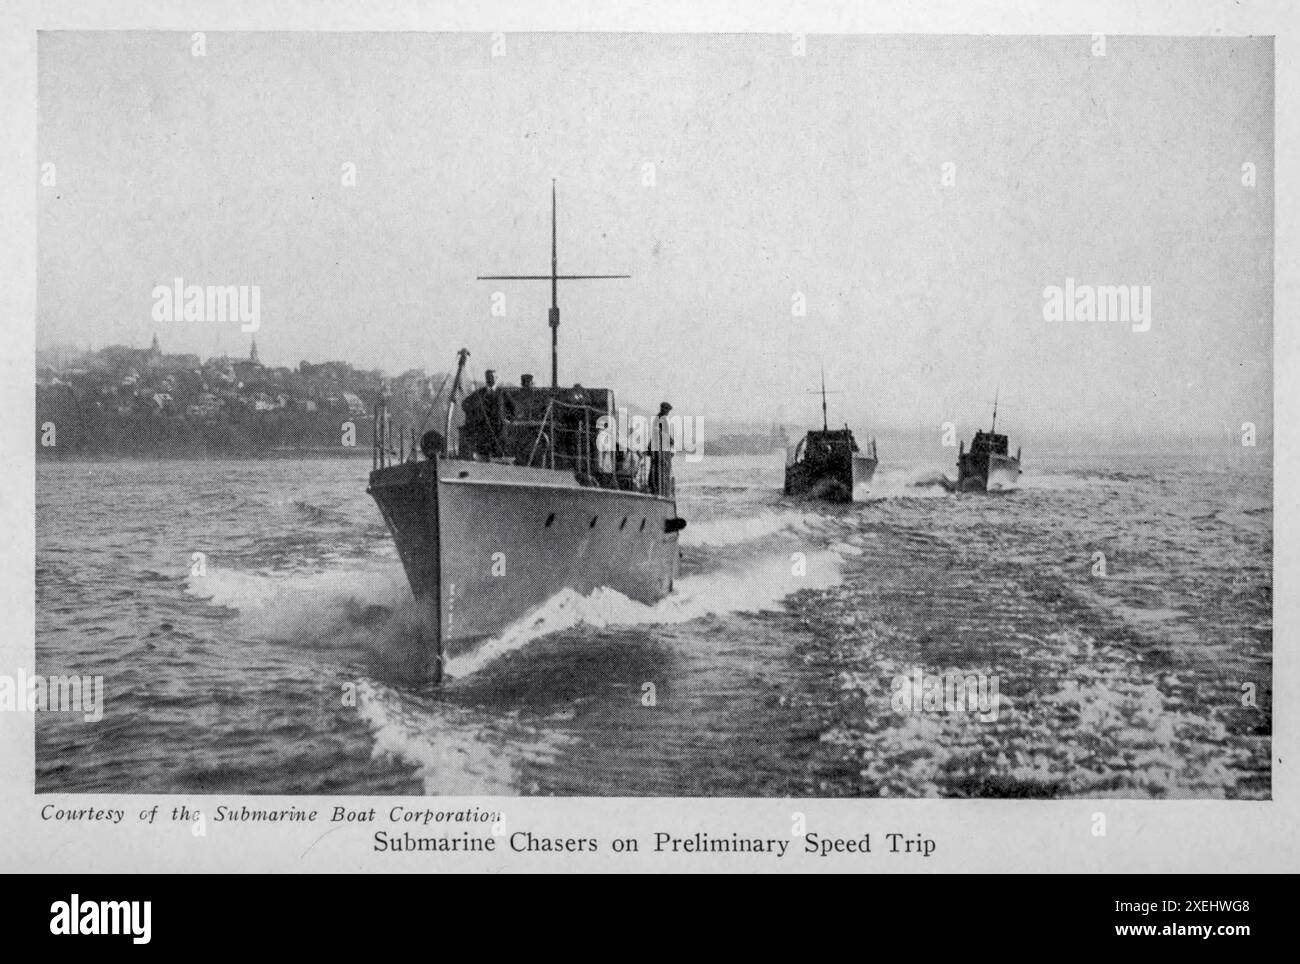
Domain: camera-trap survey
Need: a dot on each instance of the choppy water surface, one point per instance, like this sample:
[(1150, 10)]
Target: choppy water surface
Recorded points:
[(771, 665)]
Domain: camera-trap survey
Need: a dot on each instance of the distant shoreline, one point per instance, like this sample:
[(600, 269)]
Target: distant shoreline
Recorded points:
[(334, 452)]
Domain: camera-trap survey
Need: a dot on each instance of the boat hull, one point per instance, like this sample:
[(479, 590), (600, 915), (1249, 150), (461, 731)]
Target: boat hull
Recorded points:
[(864, 470), (843, 480), (1004, 474), (1001, 473), (483, 544)]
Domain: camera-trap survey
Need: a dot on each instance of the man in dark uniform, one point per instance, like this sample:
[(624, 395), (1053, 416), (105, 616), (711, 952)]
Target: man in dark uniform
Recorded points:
[(661, 451), (490, 413)]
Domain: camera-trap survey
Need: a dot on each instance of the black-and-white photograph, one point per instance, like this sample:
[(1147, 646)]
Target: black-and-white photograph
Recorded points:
[(653, 415)]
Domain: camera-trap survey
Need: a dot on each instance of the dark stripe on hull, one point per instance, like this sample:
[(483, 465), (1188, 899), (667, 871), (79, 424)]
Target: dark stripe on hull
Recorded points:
[(1000, 474), (407, 495), (849, 481)]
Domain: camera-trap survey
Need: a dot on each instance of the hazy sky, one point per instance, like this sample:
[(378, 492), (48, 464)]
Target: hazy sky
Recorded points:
[(774, 174)]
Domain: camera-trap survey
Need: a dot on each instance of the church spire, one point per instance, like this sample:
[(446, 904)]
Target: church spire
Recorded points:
[(252, 354)]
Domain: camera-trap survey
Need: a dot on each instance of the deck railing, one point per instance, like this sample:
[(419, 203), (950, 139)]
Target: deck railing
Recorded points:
[(564, 438)]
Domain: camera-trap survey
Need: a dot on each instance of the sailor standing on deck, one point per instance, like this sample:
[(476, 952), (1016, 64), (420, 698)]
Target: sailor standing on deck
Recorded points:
[(492, 416), (661, 451)]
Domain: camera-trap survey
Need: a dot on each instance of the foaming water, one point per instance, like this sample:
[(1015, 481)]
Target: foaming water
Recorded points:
[(450, 748), (352, 606), (913, 483), (271, 595), (287, 662), (755, 589), (733, 531)]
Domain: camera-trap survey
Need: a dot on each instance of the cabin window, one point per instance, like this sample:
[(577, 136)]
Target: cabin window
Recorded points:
[(643, 525), (592, 523), (622, 525), (549, 519)]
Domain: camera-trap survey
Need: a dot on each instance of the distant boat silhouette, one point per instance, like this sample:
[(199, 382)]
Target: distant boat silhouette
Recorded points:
[(987, 467), (828, 464)]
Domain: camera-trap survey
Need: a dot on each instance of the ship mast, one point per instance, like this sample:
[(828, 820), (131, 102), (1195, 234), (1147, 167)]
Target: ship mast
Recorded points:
[(825, 420), (554, 278), (825, 426), (995, 411)]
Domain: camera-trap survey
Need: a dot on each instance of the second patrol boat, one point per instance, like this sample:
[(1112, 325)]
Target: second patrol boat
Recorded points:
[(828, 464), (988, 467)]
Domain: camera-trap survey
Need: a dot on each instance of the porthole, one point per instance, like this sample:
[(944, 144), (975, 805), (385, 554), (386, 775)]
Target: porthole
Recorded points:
[(643, 525), (622, 525), (549, 519), (592, 523)]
